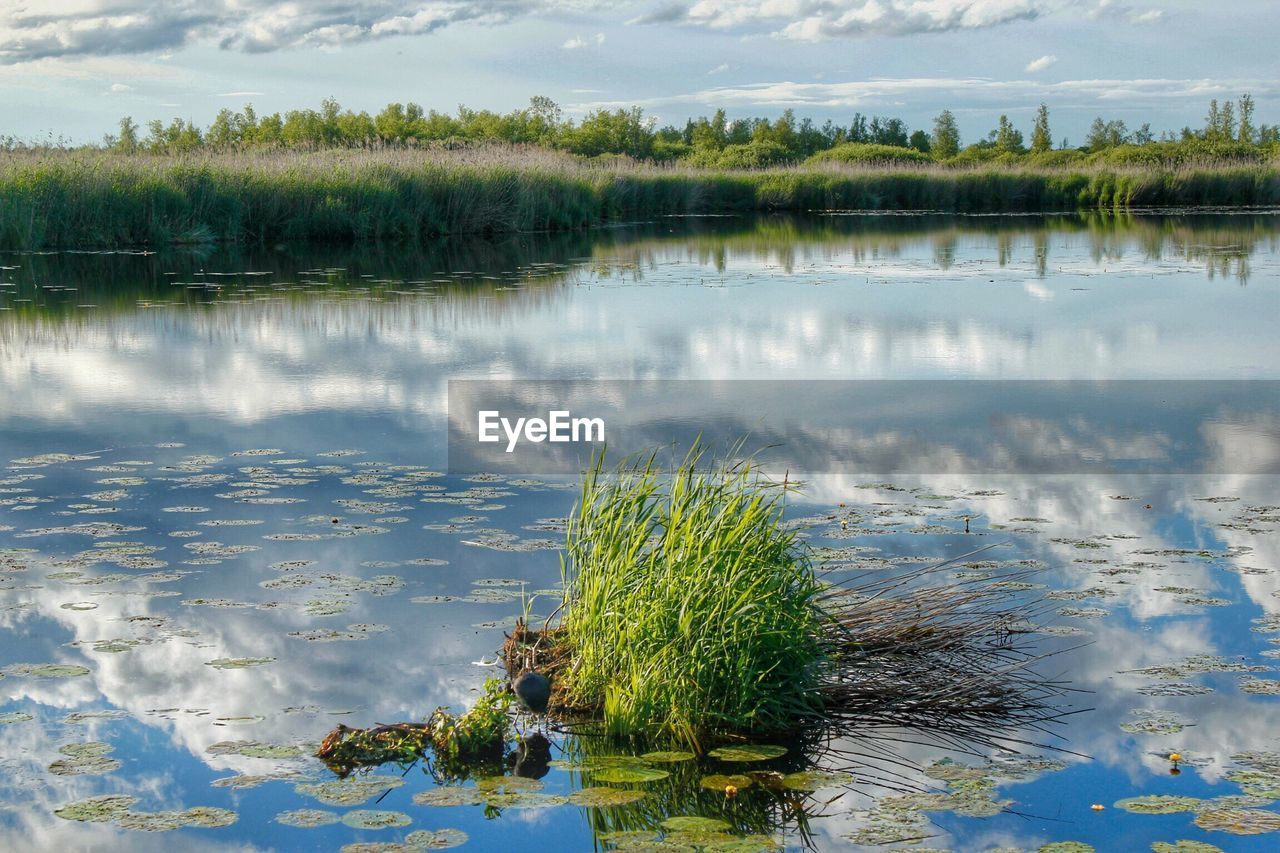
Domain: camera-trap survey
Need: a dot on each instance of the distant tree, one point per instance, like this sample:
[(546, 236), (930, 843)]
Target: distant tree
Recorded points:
[(1227, 122), (1143, 135), (127, 141), (1041, 138), (858, 131), (1212, 121), (1246, 132), (945, 141), (920, 141), (1007, 138), (1106, 134), (890, 131)]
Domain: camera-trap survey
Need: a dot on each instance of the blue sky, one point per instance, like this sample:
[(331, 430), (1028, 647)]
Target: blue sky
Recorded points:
[(73, 67)]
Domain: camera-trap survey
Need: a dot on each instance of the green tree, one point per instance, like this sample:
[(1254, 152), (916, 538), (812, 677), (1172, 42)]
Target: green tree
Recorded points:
[(1041, 137), (1246, 132), (127, 141), (1008, 139), (920, 141), (945, 141)]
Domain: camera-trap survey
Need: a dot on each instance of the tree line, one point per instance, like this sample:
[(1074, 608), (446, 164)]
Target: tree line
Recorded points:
[(1230, 130)]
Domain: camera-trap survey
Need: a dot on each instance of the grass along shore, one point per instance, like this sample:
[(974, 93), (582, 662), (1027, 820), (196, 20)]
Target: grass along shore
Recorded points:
[(51, 199)]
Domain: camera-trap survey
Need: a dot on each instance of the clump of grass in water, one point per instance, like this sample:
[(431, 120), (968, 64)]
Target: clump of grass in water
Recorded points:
[(691, 611)]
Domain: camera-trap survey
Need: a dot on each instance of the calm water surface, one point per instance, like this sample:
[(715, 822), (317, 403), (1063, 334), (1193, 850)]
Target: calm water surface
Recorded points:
[(225, 525)]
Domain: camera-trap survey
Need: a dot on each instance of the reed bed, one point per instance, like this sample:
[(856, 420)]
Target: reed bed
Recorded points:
[(77, 199), (693, 613)]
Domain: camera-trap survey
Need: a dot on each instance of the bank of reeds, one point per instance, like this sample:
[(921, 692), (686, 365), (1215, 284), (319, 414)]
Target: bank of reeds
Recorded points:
[(53, 199), (693, 613)]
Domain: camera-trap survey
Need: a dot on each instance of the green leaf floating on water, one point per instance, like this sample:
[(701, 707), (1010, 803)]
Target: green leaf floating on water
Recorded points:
[(238, 663), (1158, 804), (1184, 847), (691, 823), (307, 818), (10, 717), (97, 809), (439, 839), (745, 844), (1066, 847), (630, 774), (1239, 821), (813, 780), (603, 797), (375, 819), (748, 752), (667, 757), (350, 791), (47, 670), (718, 781), (449, 795)]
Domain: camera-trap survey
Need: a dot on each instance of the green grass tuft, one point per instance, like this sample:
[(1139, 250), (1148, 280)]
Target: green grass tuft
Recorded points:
[(691, 609)]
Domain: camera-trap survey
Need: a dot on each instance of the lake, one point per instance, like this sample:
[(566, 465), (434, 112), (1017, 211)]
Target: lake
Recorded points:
[(227, 525)]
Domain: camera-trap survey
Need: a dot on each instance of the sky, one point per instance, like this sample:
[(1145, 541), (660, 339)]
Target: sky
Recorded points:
[(71, 68)]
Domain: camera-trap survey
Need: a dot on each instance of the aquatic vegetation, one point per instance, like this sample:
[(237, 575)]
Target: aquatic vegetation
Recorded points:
[(689, 610), (458, 742), (1239, 821), (1158, 804), (748, 752), (308, 818), (84, 759), (375, 819), (59, 199)]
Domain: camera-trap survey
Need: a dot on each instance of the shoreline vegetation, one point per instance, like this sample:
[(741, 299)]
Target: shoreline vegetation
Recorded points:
[(406, 175)]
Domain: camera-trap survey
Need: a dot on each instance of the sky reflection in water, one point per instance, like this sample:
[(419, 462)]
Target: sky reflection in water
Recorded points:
[(216, 398)]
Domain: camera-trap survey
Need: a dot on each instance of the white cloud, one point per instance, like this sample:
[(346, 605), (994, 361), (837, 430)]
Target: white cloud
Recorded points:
[(116, 88), (818, 20), (577, 43), (88, 28), (821, 20), (977, 91), (719, 69), (1042, 63)]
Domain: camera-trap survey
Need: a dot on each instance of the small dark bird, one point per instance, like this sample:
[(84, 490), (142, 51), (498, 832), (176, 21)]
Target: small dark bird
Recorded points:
[(533, 691)]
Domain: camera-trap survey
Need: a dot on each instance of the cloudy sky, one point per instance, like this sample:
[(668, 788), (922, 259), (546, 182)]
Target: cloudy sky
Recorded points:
[(73, 67)]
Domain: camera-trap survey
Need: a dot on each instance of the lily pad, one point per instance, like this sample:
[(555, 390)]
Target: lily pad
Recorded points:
[(9, 717), (449, 795), (1239, 821), (748, 752), (376, 819), (630, 774), (238, 663), (348, 792), (307, 818), (719, 781), (438, 839), (97, 809), (1158, 804), (667, 757), (604, 797), (813, 780), (691, 823)]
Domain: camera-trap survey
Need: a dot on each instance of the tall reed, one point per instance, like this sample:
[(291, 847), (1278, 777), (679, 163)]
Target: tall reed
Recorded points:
[(55, 199), (690, 610)]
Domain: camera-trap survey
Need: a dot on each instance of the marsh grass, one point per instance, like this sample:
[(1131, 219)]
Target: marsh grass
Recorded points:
[(77, 199), (690, 611)]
